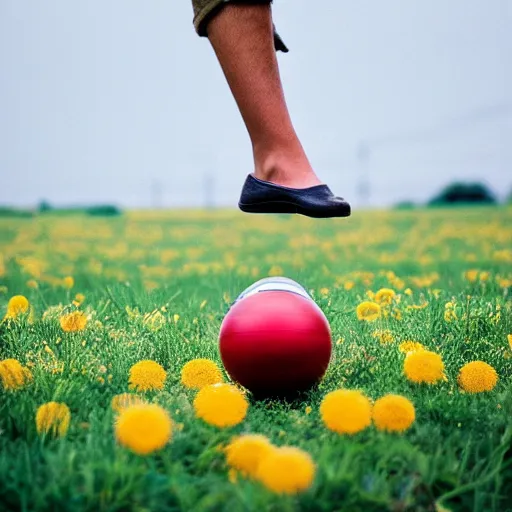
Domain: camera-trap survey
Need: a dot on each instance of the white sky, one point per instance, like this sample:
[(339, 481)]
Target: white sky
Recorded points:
[(119, 101)]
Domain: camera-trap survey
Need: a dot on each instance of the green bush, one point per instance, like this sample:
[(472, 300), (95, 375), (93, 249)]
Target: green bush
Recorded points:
[(464, 193), (6, 211), (103, 210)]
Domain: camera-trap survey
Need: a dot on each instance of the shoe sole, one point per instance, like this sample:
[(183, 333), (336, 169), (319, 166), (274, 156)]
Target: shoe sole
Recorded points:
[(290, 208)]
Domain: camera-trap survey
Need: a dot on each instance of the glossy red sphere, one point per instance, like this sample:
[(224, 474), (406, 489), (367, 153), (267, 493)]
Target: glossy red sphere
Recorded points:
[(275, 343)]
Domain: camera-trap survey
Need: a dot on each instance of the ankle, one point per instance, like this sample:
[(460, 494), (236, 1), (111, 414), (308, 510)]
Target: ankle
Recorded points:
[(285, 166), (278, 162)]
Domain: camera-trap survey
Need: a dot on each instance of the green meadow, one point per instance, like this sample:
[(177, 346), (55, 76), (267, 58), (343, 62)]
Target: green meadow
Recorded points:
[(156, 285)]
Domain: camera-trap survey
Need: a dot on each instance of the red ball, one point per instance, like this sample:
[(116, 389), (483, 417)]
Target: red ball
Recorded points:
[(275, 343)]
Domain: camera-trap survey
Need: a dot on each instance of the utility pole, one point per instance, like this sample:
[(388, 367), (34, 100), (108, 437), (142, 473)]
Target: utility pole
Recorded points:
[(156, 193), (209, 190), (363, 186)]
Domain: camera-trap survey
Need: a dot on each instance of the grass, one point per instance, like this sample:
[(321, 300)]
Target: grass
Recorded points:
[(177, 274)]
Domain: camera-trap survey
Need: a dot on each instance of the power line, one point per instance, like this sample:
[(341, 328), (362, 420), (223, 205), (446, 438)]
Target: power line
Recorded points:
[(366, 147), (446, 127)]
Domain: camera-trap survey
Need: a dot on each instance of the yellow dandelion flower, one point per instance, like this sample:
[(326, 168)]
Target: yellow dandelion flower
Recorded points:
[(222, 405), (198, 373), (143, 428), (477, 377), (54, 418), (424, 366), (13, 375), (73, 322), (393, 413), (324, 291), (32, 283), (449, 315), (68, 282), (484, 276), (449, 312), (346, 411), (408, 291), (503, 282), (385, 296), (124, 400), (154, 320), (509, 338), (275, 270), (287, 470), (17, 306), (245, 453), (368, 311), (79, 299), (385, 336), (398, 283), (410, 346), (308, 409), (147, 375), (348, 285), (471, 275)]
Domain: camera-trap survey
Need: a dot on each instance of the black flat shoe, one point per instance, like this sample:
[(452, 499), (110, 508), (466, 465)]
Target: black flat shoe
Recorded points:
[(264, 197)]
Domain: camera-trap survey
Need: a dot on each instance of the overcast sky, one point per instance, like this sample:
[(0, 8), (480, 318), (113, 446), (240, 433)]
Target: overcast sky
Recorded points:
[(119, 101)]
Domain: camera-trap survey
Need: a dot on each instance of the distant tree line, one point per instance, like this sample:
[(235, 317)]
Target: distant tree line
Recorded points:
[(106, 210), (458, 193)]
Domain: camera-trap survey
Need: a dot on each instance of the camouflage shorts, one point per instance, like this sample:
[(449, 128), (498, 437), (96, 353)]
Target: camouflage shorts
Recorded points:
[(204, 10)]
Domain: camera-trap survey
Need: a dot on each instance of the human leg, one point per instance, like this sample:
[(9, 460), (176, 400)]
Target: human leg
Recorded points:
[(242, 36)]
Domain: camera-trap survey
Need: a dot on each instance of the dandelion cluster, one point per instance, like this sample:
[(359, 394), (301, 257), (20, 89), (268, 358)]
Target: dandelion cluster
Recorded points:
[(477, 377), (68, 282), (53, 418), (283, 470), (385, 296), (147, 375), (221, 405), (245, 453), (73, 322), (79, 299), (393, 413), (346, 411), (368, 311), (13, 375), (17, 306), (198, 373), (424, 366), (286, 470), (143, 428)]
